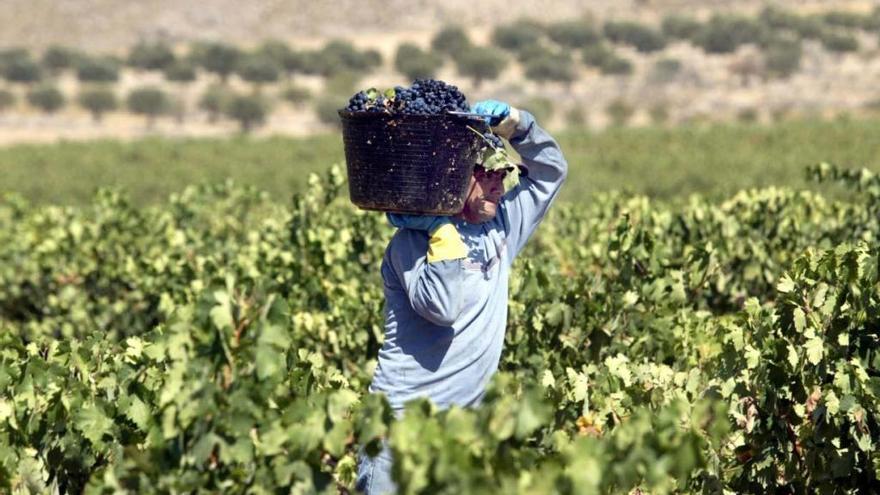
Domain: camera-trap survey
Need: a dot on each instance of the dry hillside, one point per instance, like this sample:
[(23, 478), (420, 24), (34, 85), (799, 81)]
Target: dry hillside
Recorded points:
[(115, 24), (706, 87)]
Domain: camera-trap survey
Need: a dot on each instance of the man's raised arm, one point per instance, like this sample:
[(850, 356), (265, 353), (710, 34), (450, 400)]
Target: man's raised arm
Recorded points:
[(527, 203)]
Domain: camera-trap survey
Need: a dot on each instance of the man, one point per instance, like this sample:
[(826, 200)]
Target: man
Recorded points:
[(446, 282)]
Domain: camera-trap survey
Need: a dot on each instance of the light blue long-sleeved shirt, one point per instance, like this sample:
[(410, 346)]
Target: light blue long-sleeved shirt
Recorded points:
[(445, 321)]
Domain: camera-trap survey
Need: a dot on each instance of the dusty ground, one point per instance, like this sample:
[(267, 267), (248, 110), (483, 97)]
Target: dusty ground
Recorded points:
[(706, 87)]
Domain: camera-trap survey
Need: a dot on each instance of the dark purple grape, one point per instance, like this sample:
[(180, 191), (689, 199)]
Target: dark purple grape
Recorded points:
[(423, 97)]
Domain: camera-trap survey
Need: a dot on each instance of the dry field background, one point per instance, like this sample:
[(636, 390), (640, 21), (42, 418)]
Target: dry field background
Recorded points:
[(706, 88)]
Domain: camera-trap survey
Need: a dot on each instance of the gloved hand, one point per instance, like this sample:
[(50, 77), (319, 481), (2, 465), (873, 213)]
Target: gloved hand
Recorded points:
[(502, 117), (444, 244)]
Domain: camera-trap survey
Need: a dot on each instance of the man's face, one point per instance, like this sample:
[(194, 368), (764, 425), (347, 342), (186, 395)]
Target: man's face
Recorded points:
[(486, 190)]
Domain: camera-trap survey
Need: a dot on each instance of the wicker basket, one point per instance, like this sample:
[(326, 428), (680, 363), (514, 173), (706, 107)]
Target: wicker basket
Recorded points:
[(410, 163)]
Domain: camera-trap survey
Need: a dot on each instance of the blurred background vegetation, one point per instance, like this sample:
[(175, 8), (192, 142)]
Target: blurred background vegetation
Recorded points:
[(606, 87)]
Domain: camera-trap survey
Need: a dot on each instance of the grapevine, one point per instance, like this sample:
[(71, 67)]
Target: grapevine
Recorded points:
[(694, 347)]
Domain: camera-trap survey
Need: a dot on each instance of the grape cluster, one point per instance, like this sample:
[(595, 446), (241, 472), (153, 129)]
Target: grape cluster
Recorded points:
[(424, 97), (494, 141)]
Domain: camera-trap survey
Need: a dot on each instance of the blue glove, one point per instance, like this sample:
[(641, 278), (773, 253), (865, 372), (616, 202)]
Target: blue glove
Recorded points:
[(428, 223), (495, 110)]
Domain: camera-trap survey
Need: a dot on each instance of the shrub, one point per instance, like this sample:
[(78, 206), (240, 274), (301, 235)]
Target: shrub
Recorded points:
[(724, 34), (100, 69), (533, 52), (415, 63), (450, 40), (275, 50), (619, 111), (595, 56), (47, 98), (782, 57), (517, 35), (213, 101), (97, 101), (258, 69), (836, 41), (150, 56), (341, 56), (289, 60), (574, 34), (296, 95), (747, 115), (217, 58), (248, 110), (608, 62), (148, 101), (21, 69), (181, 71), (311, 62), (779, 18), (643, 38), (480, 63), (7, 99), (680, 27), (659, 113), (57, 58), (617, 66), (295, 62), (665, 70), (555, 67), (872, 21), (8, 55), (810, 28), (849, 20)]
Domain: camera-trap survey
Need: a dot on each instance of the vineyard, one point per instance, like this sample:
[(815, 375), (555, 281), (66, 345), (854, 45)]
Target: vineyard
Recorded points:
[(222, 341)]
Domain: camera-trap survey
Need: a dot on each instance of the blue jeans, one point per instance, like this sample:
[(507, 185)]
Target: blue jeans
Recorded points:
[(374, 473)]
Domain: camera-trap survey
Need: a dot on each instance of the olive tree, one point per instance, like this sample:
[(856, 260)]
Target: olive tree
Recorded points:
[(181, 71), (248, 110), (151, 56), (46, 97), (643, 38), (555, 67), (415, 63), (57, 58), (517, 35), (98, 101), (97, 69), (22, 69), (213, 101), (450, 40), (148, 101), (295, 95), (258, 69), (217, 58), (574, 34), (289, 60), (481, 63)]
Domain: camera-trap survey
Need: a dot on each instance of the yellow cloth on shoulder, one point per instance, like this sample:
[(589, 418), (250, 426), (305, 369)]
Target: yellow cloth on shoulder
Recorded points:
[(446, 244)]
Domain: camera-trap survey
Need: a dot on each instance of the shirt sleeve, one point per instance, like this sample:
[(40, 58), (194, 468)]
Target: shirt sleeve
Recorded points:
[(433, 290), (525, 205)]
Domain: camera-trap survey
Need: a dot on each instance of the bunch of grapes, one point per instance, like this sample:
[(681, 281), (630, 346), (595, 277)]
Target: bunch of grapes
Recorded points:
[(493, 140), (424, 97)]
